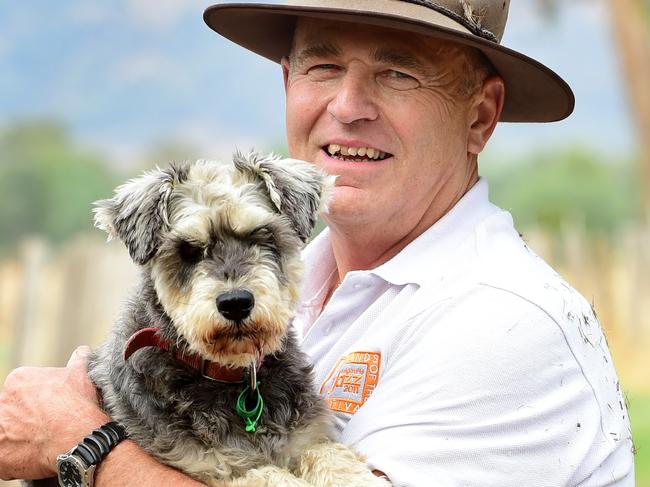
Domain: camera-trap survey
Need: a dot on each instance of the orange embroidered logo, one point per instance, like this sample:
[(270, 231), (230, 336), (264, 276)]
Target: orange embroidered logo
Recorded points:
[(351, 381)]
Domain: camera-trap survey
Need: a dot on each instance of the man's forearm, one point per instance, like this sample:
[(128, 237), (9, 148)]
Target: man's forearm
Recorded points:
[(128, 464), (46, 411)]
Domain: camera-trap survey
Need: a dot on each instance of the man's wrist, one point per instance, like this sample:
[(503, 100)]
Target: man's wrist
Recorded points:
[(72, 433), (76, 468), (129, 464)]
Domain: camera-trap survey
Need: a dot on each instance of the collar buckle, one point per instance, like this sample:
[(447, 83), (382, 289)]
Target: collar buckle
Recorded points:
[(253, 374), (202, 370)]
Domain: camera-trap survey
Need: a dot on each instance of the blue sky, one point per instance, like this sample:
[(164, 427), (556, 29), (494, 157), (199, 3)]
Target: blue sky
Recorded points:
[(126, 75)]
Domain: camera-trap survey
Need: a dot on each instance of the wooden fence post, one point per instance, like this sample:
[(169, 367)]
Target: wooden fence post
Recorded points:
[(33, 257)]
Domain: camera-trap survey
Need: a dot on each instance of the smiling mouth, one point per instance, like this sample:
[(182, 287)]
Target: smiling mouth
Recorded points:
[(355, 154)]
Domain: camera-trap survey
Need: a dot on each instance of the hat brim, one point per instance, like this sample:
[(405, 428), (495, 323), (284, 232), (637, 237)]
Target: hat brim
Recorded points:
[(534, 93)]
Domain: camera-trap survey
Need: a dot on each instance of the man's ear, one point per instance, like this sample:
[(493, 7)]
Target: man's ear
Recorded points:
[(485, 111), (138, 213), (297, 189)]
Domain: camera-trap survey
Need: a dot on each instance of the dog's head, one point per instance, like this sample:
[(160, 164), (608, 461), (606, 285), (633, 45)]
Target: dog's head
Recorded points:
[(222, 243)]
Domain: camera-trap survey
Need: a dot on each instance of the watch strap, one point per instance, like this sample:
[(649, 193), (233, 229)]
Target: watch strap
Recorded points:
[(94, 447)]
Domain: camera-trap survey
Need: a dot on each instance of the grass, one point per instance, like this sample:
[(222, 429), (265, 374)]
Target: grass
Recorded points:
[(639, 409)]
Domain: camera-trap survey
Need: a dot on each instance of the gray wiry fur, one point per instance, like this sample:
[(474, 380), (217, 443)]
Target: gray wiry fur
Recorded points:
[(294, 189), (137, 214), (243, 224), (171, 411)]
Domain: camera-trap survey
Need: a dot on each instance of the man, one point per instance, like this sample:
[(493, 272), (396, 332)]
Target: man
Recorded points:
[(449, 353)]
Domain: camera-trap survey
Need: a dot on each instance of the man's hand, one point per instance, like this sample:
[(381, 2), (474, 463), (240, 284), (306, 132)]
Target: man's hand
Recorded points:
[(45, 412)]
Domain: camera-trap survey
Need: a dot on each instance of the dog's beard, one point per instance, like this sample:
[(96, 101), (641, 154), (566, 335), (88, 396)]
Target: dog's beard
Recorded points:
[(195, 317), (241, 348), (238, 344)]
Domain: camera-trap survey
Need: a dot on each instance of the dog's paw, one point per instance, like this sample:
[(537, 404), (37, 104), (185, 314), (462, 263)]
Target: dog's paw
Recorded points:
[(336, 465)]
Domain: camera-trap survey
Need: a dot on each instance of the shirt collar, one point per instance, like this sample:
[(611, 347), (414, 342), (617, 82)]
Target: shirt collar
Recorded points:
[(425, 259), (320, 266), (421, 261)]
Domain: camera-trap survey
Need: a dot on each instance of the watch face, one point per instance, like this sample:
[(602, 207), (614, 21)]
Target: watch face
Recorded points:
[(69, 474)]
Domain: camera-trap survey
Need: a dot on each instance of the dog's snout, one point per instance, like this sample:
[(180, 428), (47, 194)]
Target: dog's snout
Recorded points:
[(235, 305)]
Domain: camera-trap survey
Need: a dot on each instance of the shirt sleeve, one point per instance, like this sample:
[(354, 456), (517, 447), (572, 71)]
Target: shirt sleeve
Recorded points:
[(486, 391)]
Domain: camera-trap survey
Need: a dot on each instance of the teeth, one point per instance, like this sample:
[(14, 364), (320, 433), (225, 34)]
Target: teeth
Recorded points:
[(333, 148), (369, 152)]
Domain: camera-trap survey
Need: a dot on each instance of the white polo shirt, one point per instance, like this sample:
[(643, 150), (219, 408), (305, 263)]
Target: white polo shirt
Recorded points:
[(466, 361)]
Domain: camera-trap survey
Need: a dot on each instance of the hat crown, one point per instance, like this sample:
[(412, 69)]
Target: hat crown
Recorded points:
[(534, 93), (486, 18)]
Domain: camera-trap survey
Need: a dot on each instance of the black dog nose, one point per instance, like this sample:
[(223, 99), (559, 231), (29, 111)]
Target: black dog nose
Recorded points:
[(235, 305)]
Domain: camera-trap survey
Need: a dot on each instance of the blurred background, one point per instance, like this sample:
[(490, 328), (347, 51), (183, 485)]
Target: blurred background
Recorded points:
[(93, 92)]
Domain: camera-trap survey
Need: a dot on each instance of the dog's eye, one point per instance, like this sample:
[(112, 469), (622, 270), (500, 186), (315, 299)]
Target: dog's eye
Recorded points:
[(261, 233), (190, 253), (264, 237)]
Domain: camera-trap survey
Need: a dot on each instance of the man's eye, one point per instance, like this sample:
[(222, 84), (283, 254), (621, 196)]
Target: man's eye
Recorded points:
[(323, 67), (397, 80), (323, 71)]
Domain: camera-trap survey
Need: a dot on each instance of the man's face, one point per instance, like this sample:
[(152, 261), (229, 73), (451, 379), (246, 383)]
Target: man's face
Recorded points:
[(354, 88)]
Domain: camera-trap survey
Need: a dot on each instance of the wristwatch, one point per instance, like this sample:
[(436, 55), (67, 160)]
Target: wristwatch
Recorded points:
[(76, 468)]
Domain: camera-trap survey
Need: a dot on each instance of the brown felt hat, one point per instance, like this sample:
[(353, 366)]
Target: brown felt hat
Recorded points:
[(534, 93)]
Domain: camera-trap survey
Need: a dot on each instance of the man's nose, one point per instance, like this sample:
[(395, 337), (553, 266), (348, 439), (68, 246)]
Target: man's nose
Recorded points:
[(354, 99)]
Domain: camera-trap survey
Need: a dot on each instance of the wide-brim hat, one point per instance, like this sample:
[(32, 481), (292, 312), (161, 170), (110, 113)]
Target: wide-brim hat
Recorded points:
[(534, 93)]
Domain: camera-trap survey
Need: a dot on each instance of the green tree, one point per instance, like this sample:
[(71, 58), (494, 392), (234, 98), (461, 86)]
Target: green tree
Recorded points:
[(574, 184), (630, 28), (47, 182)]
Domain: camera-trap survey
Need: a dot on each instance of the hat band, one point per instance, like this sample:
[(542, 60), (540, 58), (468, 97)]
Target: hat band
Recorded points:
[(466, 20)]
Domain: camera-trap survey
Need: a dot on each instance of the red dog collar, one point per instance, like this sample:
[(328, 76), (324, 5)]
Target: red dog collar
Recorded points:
[(148, 337)]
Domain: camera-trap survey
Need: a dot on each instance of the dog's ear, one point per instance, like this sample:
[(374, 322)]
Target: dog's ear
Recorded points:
[(138, 212), (298, 189)]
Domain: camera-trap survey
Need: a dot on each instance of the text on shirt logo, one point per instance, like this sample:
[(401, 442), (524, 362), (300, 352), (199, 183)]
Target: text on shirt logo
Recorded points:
[(351, 381)]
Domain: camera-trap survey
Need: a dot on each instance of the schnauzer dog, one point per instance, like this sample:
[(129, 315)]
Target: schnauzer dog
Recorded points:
[(203, 369)]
